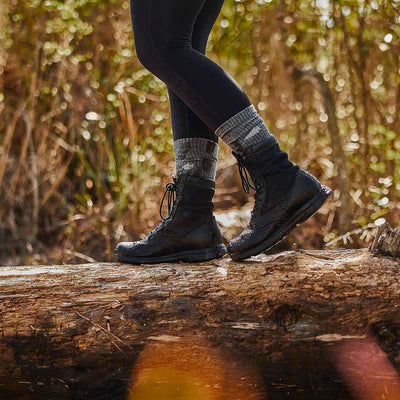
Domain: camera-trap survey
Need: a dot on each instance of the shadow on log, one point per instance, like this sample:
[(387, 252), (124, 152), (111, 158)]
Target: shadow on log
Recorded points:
[(296, 325)]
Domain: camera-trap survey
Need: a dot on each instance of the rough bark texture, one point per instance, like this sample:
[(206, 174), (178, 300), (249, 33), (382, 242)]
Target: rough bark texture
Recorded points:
[(269, 328)]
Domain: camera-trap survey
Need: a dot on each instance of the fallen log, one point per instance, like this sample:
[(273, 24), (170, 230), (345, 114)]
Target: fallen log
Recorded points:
[(286, 326)]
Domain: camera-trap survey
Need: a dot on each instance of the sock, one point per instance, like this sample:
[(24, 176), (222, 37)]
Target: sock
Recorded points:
[(246, 129), (196, 157)]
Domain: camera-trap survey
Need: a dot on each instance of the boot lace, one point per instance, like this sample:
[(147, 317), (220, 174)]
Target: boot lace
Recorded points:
[(244, 174), (170, 190)]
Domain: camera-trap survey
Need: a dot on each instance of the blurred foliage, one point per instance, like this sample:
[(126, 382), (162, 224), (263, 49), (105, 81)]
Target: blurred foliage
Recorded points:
[(85, 132)]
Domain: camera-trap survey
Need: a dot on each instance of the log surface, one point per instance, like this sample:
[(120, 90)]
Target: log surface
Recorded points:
[(271, 324)]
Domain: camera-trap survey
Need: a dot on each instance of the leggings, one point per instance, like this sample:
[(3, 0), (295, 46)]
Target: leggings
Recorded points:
[(170, 41)]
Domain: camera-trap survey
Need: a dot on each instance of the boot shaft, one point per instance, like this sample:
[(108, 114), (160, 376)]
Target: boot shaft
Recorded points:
[(194, 193), (269, 169), (191, 218)]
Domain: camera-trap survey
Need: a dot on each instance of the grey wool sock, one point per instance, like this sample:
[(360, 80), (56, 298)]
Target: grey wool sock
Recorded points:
[(245, 129), (196, 156)]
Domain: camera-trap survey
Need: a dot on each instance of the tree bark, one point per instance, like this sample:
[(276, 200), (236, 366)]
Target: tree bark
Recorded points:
[(271, 327)]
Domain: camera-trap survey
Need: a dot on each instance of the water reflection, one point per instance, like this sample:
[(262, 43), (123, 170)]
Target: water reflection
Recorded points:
[(189, 368)]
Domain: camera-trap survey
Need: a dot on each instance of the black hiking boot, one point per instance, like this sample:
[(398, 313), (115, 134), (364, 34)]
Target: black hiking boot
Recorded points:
[(283, 200), (189, 233)]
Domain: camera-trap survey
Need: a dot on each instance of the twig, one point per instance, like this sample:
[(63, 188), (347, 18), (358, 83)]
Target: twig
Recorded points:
[(80, 255), (347, 235), (6, 143), (106, 332)]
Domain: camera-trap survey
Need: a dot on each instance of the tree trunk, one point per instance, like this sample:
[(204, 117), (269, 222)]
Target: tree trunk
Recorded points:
[(295, 325)]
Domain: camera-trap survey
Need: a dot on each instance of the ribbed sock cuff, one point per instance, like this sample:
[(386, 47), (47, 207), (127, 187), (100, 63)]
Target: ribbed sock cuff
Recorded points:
[(196, 157), (245, 129)]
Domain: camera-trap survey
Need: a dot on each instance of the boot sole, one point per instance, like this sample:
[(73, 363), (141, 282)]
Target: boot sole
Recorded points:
[(302, 215), (197, 255)]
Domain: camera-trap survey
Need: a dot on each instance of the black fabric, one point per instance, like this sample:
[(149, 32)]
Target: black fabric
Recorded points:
[(275, 160), (170, 41)]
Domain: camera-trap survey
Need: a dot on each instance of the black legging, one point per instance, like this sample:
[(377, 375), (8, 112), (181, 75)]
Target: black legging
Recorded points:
[(170, 40)]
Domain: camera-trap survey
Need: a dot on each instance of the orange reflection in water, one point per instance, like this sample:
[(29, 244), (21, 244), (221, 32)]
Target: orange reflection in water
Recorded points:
[(190, 369), (367, 370)]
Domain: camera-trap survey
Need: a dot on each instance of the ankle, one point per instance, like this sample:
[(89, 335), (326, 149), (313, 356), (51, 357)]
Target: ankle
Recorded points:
[(245, 129), (196, 193), (196, 157)]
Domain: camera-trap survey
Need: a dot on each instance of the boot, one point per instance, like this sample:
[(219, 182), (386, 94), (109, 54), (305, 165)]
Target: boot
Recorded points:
[(189, 233), (283, 200)]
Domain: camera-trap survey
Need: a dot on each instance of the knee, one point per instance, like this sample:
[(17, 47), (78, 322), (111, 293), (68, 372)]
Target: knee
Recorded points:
[(156, 58), (157, 55)]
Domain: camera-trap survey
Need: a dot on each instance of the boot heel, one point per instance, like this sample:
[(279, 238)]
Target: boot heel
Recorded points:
[(309, 209), (206, 254)]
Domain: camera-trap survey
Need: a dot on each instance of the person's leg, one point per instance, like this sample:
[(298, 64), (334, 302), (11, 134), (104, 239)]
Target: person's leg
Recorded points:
[(162, 30), (163, 41), (190, 232), (185, 122), (195, 143)]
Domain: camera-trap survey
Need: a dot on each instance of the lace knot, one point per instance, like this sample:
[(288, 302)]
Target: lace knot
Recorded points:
[(170, 189)]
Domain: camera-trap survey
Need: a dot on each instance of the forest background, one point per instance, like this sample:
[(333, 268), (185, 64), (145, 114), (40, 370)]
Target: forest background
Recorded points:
[(85, 129)]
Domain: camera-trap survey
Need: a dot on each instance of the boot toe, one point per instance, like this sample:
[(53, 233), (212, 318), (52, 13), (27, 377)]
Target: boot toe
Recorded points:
[(134, 249), (248, 239), (124, 248)]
